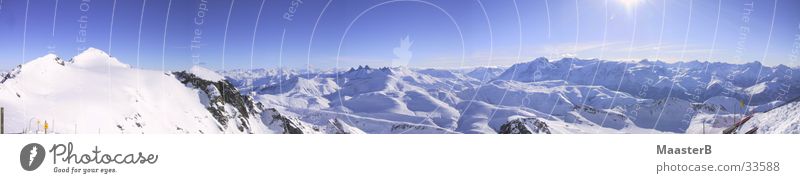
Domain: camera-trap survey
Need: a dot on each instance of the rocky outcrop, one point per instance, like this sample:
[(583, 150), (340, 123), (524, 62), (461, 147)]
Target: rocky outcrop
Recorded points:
[(10, 75), (224, 102), (232, 109), (287, 125), (524, 126), (336, 126)]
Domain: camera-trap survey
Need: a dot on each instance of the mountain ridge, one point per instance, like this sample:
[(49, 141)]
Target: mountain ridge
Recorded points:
[(627, 97)]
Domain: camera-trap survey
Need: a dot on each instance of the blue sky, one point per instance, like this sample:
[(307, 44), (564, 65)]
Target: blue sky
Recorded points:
[(445, 33)]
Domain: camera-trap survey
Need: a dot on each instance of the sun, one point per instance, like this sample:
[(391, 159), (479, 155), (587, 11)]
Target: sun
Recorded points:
[(629, 4)]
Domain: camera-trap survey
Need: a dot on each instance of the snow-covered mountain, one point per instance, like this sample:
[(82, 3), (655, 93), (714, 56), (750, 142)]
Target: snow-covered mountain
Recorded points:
[(258, 77), (568, 95), (692, 81), (96, 93), (782, 119)]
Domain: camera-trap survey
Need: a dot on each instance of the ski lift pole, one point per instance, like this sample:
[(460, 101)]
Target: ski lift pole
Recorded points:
[(2, 120), (29, 126)]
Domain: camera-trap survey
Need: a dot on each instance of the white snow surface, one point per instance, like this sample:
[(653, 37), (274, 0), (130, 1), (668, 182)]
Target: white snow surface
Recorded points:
[(464, 101), (205, 73), (784, 119), (96, 93)]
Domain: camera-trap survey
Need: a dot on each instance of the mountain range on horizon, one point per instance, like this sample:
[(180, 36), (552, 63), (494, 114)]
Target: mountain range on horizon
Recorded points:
[(96, 93)]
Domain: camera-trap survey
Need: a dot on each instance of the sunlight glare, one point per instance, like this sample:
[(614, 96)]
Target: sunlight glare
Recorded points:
[(629, 4)]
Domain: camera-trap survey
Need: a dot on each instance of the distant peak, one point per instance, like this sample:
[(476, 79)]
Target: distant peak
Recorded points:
[(360, 68), (93, 57), (92, 50), (50, 56), (205, 73), (44, 60), (536, 62), (755, 62)]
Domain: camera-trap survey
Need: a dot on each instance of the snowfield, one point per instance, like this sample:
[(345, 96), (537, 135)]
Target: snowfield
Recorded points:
[(783, 119), (707, 97), (96, 93)]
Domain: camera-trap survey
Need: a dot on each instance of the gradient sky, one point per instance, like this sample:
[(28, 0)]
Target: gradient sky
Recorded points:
[(445, 33)]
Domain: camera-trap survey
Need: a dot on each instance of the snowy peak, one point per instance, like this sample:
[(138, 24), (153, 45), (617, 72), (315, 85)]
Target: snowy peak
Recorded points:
[(524, 71), (95, 93), (485, 73), (205, 73), (365, 72), (89, 58), (94, 58), (47, 59)]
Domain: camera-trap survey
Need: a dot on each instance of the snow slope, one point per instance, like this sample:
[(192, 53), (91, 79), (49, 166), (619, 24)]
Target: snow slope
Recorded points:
[(627, 97), (95, 93), (711, 79), (783, 119)]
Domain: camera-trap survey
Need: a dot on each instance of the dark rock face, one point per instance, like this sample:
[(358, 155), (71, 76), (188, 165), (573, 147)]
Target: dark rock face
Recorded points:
[(230, 108), (514, 127), (10, 75), (3, 77), (338, 127), (220, 94), (524, 126), (287, 125)]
